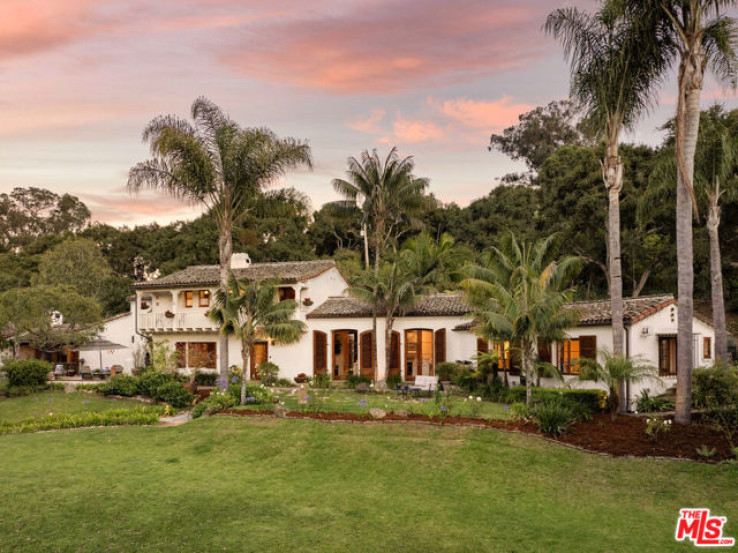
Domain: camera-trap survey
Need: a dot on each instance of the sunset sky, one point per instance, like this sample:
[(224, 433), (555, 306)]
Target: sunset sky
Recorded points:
[(79, 80)]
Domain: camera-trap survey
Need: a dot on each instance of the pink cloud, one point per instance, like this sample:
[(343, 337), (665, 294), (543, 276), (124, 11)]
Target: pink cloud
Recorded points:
[(370, 124), (384, 47), (120, 207), (491, 116), (410, 130), (31, 27)]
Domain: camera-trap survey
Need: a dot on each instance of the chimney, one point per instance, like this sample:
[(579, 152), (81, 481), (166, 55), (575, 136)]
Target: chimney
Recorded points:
[(240, 261)]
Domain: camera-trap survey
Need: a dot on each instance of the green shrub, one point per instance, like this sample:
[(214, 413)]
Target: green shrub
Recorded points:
[(554, 416), (590, 399), (715, 386), (354, 379), (466, 379), (282, 383), (120, 385), (447, 371), (205, 379), (151, 380), (321, 381), (394, 380), (174, 394), (647, 404), (268, 373), (28, 372), (90, 387), (214, 403), (255, 395), (117, 417)]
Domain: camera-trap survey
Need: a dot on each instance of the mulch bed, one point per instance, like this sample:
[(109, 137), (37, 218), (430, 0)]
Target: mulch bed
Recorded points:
[(626, 437)]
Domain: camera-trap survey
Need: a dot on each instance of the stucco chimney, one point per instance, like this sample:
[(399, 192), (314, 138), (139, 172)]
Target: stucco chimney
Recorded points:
[(240, 261)]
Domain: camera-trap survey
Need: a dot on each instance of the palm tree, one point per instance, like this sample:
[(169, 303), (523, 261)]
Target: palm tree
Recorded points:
[(612, 76), (438, 263), (251, 310), (390, 291), (716, 162), (216, 163), (695, 33), (611, 372), (518, 294), (389, 196)]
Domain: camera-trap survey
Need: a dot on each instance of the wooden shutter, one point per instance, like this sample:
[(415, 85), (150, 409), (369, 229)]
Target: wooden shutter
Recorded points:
[(588, 347), (320, 342), (366, 360), (395, 353), (441, 345), (482, 345), (544, 351)]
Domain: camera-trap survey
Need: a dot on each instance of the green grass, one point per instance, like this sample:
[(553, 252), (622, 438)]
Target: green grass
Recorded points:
[(349, 401), (41, 404), (262, 485)]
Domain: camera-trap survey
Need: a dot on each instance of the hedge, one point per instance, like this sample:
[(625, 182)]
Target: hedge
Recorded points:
[(591, 399)]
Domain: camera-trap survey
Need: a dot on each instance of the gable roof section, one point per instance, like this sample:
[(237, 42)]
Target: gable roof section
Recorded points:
[(436, 305), (289, 272), (594, 313)]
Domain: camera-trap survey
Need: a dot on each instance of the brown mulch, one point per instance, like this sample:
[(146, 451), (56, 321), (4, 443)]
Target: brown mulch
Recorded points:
[(626, 437)]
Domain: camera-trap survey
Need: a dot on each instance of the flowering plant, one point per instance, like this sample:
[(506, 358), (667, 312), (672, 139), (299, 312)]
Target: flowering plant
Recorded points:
[(656, 426)]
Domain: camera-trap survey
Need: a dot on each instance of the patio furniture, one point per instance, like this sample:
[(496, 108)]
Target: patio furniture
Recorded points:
[(424, 384), (86, 373)]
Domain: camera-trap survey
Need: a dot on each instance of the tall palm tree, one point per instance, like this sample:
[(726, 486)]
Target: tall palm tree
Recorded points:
[(251, 310), (696, 33), (612, 77), (389, 196), (216, 163), (518, 293), (438, 263), (390, 291), (715, 166)]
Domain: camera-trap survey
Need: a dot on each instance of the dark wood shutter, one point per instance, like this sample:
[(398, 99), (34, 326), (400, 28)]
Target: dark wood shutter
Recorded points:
[(320, 343), (395, 353), (441, 345), (366, 360), (544, 351), (482, 345), (588, 347)]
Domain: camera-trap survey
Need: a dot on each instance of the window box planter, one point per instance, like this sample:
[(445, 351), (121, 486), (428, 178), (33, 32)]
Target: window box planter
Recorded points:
[(168, 314), (301, 378), (307, 302)]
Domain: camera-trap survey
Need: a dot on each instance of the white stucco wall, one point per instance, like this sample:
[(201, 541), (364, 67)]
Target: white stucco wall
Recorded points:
[(121, 330)]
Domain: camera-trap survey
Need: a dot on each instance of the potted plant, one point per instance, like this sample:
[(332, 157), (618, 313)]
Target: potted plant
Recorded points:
[(301, 378), (168, 314), (307, 302)]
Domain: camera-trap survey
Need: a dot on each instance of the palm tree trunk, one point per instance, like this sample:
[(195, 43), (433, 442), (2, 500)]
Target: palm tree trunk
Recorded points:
[(388, 346), (688, 122), (245, 352), (527, 365), (612, 169), (225, 251), (716, 280), (365, 232)]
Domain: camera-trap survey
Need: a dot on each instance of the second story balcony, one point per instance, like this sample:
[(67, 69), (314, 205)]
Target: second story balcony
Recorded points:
[(174, 322)]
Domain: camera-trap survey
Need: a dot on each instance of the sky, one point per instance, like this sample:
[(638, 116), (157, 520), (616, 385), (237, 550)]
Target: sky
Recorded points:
[(80, 79)]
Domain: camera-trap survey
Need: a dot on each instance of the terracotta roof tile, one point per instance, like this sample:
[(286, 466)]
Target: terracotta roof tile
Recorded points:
[(437, 305), (288, 272)]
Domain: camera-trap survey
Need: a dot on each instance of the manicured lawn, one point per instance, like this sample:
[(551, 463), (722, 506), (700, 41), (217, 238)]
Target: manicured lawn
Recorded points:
[(349, 401), (241, 485), (43, 403)]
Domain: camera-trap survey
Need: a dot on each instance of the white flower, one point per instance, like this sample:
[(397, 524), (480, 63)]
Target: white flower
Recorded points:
[(471, 397), (479, 398)]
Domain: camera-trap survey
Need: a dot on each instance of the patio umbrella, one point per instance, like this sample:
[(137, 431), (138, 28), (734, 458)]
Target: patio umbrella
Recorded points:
[(100, 345)]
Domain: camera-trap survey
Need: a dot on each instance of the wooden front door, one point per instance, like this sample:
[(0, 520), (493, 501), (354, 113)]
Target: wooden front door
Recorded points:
[(418, 353), (259, 355), (344, 354)]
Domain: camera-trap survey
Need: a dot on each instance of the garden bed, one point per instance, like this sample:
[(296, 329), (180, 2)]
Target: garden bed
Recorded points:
[(624, 438)]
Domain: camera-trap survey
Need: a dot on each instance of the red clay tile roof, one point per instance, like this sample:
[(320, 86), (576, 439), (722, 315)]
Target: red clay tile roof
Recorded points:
[(289, 272), (437, 305)]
